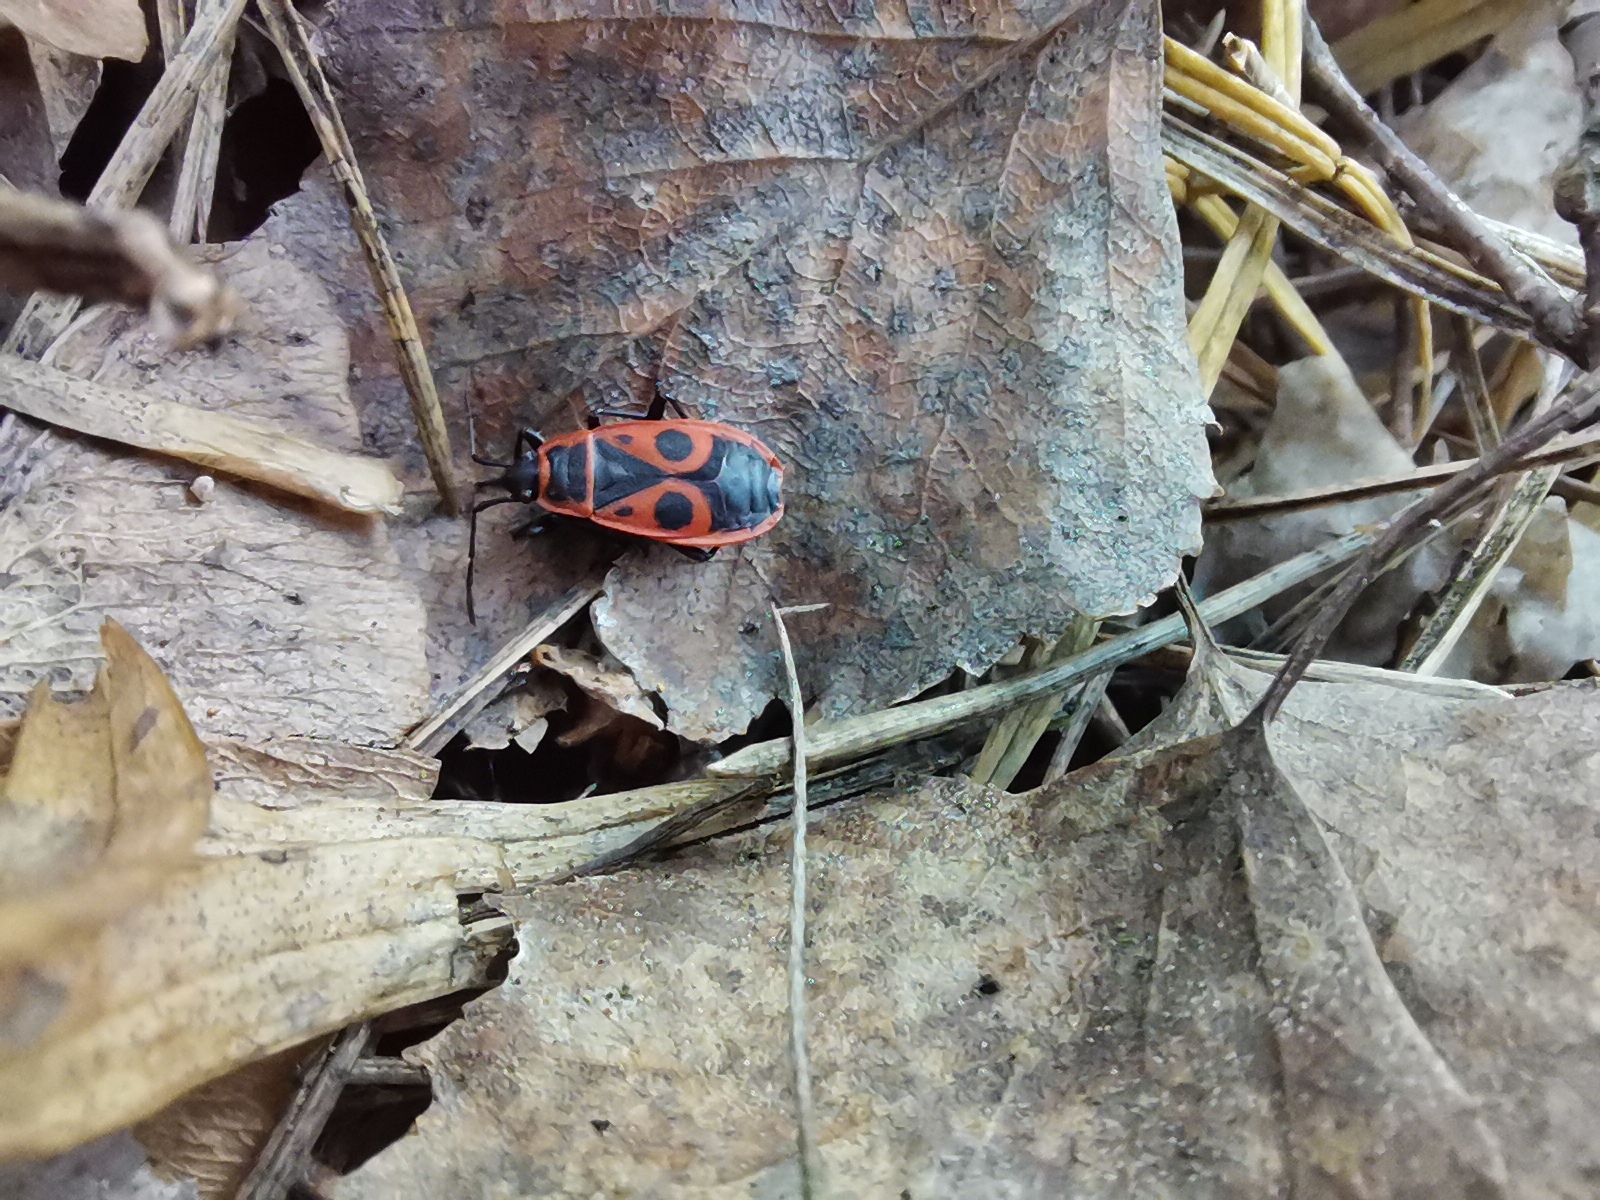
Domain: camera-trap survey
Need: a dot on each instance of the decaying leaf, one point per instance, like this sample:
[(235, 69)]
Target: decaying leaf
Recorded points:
[(133, 968), (519, 714), (601, 678), (109, 1168), (298, 795), (211, 1136), (1389, 1000), (67, 84), (271, 621), (1542, 611), (101, 801), (927, 256)]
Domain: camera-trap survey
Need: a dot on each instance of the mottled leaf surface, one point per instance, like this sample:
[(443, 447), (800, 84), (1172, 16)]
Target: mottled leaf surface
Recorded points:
[(1354, 958), (272, 617), (925, 252)]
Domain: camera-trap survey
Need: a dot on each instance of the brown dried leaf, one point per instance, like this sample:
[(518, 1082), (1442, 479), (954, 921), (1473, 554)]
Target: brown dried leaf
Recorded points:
[(271, 622), (101, 801), (602, 678), (213, 1134), (928, 256), (134, 972), (97, 28), (1154, 1021), (518, 715), (235, 959)]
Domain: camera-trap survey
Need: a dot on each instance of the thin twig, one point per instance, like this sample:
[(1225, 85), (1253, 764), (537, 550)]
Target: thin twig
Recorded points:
[(197, 177), (857, 737), (1551, 311), (1576, 186), (1467, 591), (453, 716), (1011, 742), (1579, 405), (1079, 713), (288, 32), (1319, 220), (1475, 395), (45, 317), (804, 1104), (1570, 451), (282, 1162)]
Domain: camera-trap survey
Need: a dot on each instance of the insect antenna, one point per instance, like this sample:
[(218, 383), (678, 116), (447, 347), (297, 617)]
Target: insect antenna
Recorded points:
[(472, 545)]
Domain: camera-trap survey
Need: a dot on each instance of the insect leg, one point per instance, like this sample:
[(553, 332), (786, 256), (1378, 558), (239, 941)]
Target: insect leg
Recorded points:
[(539, 522), (697, 553), (656, 411)]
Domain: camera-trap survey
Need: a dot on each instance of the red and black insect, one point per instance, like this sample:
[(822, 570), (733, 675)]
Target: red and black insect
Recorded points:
[(693, 485)]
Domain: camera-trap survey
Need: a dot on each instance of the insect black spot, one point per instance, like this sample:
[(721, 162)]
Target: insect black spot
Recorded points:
[(987, 986), (625, 438), (625, 511), (674, 511), (674, 445)]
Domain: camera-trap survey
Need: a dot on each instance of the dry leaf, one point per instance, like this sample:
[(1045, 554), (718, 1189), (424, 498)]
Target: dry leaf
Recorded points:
[(602, 678), (303, 794), (237, 959), (213, 1134), (518, 715), (102, 801), (67, 83), (1499, 132), (1076, 990), (271, 622), (132, 970), (929, 257), (1542, 611), (216, 441), (96, 28), (110, 1168)]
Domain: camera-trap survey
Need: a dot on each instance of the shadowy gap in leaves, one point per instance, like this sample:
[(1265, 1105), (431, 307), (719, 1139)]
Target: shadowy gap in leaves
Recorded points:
[(589, 748), (369, 1117), (267, 144)]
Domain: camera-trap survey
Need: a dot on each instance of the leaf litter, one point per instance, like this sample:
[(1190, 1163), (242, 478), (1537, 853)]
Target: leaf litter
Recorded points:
[(1007, 988), (273, 619), (1346, 954)]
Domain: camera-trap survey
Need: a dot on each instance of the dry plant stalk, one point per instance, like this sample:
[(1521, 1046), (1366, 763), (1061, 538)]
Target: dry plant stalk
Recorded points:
[(105, 256), (197, 177), (1577, 450), (46, 317), (288, 32), (216, 441), (1535, 293), (1580, 405), (856, 737), (804, 1102), (453, 716)]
